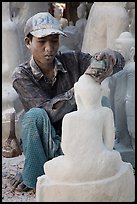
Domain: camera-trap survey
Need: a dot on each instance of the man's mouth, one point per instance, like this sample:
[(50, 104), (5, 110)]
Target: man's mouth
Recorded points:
[(48, 56)]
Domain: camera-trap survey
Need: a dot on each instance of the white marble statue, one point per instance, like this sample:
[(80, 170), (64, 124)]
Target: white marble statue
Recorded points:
[(75, 32), (69, 42), (81, 22), (86, 129), (58, 14), (20, 12), (12, 55), (105, 22), (11, 47), (14, 52), (130, 6), (89, 166), (122, 97), (82, 15)]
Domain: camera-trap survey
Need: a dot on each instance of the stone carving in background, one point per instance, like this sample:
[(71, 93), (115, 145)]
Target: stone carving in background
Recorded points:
[(105, 22), (69, 42), (58, 14), (11, 147), (122, 97), (20, 12), (75, 32), (14, 52), (89, 166), (130, 6), (82, 12), (12, 55)]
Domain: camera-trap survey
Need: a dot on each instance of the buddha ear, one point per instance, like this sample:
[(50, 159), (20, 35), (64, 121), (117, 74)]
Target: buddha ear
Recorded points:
[(132, 53)]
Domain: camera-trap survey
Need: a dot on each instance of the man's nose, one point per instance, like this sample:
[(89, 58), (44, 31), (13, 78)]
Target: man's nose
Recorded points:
[(48, 46)]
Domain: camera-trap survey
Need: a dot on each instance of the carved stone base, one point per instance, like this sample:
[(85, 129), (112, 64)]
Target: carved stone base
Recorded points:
[(127, 153), (119, 188)]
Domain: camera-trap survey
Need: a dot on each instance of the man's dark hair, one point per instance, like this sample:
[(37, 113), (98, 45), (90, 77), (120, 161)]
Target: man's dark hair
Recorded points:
[(30, 36)]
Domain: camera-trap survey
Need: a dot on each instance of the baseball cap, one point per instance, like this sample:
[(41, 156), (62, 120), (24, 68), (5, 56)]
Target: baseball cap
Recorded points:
[(43, 24)]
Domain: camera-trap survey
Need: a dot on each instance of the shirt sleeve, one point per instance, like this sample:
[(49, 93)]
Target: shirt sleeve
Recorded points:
[(31, 95)]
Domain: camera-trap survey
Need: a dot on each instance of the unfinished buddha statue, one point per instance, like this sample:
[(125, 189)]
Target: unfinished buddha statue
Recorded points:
[(122, 97), (90, 166)]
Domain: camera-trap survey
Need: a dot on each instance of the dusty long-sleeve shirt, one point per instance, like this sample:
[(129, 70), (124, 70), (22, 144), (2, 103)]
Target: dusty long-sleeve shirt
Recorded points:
[(36, 90)]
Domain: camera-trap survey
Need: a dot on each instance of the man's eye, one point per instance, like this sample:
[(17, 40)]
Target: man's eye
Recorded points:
[(54, 41), (41, 41)]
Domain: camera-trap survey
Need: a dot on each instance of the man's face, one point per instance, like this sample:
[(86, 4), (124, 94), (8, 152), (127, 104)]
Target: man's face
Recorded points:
[(44, 49)]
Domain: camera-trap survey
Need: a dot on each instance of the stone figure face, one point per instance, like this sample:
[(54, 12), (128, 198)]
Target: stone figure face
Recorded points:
[(81, 11), (124, 49), (124, 43), (58, 13)]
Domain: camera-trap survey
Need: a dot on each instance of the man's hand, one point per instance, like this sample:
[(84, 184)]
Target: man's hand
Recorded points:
[(109, 56), (59, 104)]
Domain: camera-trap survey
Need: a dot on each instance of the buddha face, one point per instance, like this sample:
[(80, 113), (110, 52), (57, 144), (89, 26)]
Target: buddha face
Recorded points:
[(81, 11), (58, 12), (123, 49), (124, 44)]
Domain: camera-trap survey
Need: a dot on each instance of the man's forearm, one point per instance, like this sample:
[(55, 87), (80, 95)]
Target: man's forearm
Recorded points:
[(58, 113), (60, 105)]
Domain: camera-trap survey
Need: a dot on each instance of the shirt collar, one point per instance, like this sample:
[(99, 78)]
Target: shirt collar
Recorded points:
[(38, 73)]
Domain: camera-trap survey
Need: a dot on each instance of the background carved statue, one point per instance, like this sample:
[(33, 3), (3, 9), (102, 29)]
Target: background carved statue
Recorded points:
[(69, 42), (12, 55), (58, 14), (130, 6), (20, 12), (122, 95), (82, 12), (14, 52), (105, 22), (75, 32)]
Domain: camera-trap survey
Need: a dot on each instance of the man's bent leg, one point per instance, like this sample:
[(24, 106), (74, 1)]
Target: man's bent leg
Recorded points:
[(40, 144)]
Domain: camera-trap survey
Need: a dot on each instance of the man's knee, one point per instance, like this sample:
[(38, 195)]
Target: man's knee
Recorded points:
[(35, 114)]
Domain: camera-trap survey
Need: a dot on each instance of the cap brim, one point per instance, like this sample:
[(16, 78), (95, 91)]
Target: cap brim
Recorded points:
[(45, 32)]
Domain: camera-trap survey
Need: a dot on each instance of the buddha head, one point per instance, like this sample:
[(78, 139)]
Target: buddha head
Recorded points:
[(125, 44), (82, 11)]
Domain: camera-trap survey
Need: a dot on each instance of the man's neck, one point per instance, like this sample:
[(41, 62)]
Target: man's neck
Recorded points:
[(47, 69)]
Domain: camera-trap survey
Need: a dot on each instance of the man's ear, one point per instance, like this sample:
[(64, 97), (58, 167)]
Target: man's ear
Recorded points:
[(27, 42)]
